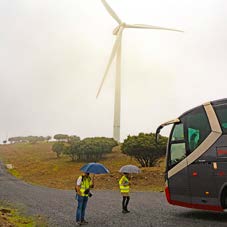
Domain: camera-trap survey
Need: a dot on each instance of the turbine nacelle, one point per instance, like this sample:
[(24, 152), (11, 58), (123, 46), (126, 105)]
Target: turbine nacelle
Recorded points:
[(117, 29)]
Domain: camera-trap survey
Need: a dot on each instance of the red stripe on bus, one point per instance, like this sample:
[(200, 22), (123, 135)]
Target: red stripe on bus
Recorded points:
[(190, 205), (167, 194), (197, 206), (220, 152)]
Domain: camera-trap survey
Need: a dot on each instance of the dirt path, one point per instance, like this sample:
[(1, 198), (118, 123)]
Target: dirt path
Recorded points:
[(104, 208)]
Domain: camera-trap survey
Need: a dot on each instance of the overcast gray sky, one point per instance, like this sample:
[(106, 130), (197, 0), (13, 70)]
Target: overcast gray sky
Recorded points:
[(53, 54)]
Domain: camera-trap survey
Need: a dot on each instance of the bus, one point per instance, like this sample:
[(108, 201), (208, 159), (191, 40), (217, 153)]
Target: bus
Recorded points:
[(196, 158)]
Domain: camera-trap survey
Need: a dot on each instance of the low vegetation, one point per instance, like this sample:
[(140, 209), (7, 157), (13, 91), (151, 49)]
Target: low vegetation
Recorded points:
[(10, 217), (87, 150), (38, 164), (143, 148), (27, 139)]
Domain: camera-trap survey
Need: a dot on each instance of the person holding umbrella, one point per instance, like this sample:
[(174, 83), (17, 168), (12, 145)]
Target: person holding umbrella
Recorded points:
[(124, 184), (83, 186)]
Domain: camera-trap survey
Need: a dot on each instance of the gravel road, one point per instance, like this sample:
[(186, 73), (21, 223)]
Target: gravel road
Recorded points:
[(148, 209)]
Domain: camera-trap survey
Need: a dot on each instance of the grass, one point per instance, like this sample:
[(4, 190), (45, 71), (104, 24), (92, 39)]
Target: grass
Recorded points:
[(38, 164), (14, 173), (10, 216)]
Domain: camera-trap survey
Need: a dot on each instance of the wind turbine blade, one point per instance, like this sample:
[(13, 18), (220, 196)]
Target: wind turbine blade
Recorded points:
[(114, 50), (111, 12), (144, 26)]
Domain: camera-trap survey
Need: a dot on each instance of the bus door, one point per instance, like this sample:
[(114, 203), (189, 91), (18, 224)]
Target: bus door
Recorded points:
[(177, 171)]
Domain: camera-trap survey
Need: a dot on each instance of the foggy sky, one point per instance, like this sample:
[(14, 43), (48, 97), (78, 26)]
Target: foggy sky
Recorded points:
[(53, 55)]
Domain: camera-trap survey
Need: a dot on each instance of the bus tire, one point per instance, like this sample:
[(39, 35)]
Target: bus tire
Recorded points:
[(224, 198)]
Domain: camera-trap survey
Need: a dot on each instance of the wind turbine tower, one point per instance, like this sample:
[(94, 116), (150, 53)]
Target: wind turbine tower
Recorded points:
[(116, 52)]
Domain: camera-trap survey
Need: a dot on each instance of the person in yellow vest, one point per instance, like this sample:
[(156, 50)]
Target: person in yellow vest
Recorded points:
[(124, 184), (83, 186)]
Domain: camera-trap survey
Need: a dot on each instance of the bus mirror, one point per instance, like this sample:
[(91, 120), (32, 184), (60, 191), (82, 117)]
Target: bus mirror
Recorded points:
[(157, 138), (163, 125), (157, 133)]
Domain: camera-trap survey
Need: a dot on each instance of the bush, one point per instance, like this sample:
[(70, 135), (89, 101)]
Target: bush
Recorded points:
[(59, 148), (144, 148)]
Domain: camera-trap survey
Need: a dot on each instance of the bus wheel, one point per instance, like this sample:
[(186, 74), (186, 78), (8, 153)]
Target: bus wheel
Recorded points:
[(224, 198)]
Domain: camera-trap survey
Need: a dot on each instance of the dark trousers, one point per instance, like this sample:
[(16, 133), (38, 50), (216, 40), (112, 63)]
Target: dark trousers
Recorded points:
[(82, 203), (125, 202)]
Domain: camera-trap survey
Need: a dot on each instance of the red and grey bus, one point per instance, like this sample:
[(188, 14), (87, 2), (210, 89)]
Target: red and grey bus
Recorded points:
[(196, 158)]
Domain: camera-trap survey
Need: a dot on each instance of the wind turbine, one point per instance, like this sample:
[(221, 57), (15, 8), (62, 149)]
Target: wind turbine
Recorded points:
[(116, 51)]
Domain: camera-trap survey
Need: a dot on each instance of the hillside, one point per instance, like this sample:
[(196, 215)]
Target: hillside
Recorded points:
[(38, 164)]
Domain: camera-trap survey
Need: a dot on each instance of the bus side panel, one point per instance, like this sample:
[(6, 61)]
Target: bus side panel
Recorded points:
[(179, 188), (203, 184), (221, 170), (211, 174)]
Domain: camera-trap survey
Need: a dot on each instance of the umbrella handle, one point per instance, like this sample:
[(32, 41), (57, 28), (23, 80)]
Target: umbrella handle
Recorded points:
[(93, 179)]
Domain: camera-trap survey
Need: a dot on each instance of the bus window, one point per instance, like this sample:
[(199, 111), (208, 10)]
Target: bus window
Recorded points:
[(197, 127), (224, 125), (178, 133), (193, 138), (177, 153), (222, 116), (177, 145)]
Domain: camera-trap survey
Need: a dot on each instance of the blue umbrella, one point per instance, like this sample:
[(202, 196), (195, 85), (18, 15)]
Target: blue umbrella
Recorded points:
[(96, 168)]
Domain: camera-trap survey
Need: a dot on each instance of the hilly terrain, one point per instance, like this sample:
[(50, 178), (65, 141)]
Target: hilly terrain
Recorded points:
[(37, 164)]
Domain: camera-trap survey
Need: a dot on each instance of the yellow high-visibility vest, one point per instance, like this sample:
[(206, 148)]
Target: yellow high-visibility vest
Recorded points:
[(124, 184), (85, 184)]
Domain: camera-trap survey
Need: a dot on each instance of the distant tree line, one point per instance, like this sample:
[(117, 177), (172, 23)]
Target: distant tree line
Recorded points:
[(141, 147), (28, 139)]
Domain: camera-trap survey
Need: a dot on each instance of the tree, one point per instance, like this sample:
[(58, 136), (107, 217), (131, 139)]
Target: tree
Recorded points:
[(47, 138), (88, 149), (33, 139), (59, 148), (61, 137), (73, 139), (92, 149), (144, 148), (72, 149)]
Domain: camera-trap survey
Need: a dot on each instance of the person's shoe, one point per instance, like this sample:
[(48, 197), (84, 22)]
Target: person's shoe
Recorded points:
[(78, 223), (124, 211), (127, 211), (84, 222)]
